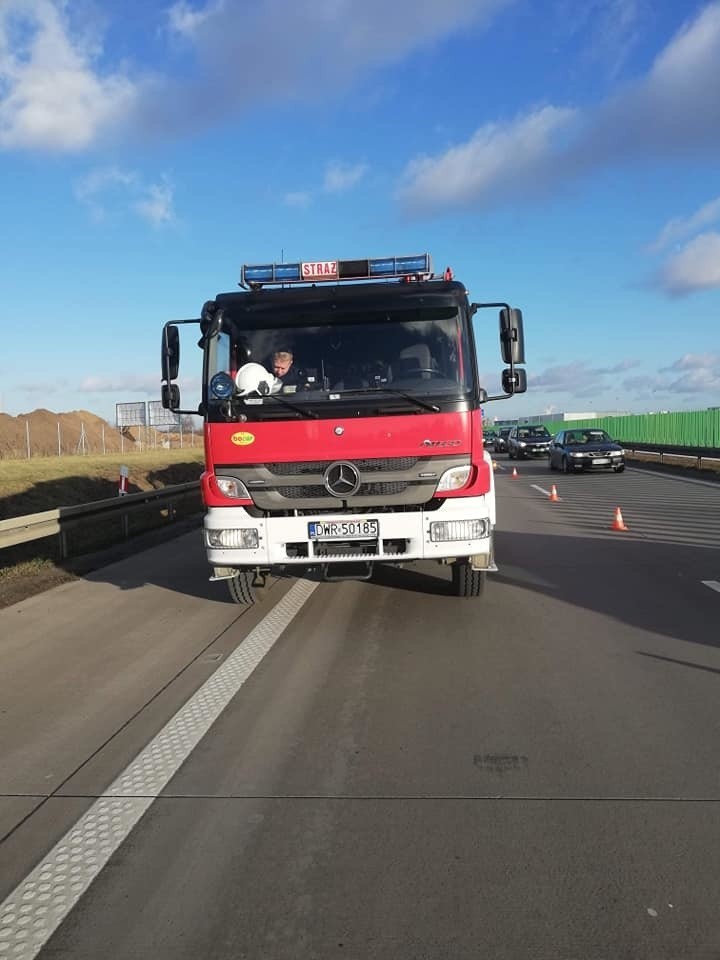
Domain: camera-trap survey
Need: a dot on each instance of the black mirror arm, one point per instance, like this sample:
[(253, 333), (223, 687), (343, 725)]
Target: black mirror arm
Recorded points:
[(500, 396)]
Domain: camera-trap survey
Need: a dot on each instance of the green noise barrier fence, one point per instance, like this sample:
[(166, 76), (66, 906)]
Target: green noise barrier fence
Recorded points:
[(697, 428)]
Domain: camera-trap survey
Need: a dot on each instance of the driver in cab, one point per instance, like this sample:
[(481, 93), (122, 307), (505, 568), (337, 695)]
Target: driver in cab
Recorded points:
[(284, 371)]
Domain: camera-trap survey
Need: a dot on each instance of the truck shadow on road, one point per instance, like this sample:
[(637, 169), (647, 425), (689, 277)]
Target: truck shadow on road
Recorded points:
[(650, 586), (415, 579)]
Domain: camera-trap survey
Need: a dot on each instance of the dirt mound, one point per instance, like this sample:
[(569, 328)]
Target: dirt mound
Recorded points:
[(50, 434)]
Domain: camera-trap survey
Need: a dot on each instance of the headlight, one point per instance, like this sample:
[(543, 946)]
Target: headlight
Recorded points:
[(442, 531), (454, 479), (577, 454), (521, 443), (232, 487), (616, 453)]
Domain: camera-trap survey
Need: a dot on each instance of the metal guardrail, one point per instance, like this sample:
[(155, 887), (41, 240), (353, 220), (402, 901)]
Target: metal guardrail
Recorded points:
[(36, 526), (702, 458)]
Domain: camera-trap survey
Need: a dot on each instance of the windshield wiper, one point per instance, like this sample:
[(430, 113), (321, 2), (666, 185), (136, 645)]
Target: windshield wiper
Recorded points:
[(432, 407), (292, 406)]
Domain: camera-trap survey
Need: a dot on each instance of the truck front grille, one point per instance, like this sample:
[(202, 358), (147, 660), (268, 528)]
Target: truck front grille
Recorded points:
[(385, 482)]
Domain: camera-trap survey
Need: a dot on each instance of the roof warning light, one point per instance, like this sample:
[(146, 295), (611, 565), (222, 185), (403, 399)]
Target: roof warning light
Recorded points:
[(324, 271)]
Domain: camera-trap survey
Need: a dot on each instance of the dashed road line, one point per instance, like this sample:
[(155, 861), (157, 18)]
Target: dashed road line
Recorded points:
[(541, 489), (39, 904), (713, 584)]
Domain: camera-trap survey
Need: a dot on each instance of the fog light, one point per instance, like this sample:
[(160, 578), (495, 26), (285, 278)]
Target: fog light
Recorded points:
[(245, 538), (442, 531)]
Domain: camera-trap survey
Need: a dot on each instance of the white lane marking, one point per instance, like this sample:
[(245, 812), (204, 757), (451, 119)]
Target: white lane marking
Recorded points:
[(38, 905), (670, 476), (541, 489), (713, 584)]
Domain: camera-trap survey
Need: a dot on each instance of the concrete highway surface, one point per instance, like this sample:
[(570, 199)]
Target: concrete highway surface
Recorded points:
[(379, 770)]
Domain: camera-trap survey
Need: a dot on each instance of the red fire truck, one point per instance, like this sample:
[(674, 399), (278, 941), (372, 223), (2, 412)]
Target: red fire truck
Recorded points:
[(343, 424)]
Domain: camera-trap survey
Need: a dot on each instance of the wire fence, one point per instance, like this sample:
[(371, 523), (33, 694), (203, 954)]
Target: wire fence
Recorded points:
[(45, 437)]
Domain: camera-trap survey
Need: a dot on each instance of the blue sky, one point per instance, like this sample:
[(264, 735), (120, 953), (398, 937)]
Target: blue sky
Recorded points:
[(560, 154)]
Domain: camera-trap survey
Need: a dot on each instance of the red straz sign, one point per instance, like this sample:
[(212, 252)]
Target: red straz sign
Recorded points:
[(322, 270)]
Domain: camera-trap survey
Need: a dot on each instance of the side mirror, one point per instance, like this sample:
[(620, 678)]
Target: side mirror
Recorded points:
[(514, 381), (512, 338), (170, 395), (170, 354), (482, 395), (211, 321)]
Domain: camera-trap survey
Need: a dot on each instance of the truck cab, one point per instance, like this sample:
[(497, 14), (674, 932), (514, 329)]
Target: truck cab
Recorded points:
[(343, 423)]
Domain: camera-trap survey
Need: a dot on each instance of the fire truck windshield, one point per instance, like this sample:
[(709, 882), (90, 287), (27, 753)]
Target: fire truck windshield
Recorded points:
[(322, 359)]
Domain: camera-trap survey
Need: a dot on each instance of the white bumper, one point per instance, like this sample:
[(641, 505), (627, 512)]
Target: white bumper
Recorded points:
[(275, 534)]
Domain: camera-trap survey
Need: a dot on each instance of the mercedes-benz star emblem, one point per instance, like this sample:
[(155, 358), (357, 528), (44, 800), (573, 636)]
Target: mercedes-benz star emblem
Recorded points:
[(342, 479), (339, 431)]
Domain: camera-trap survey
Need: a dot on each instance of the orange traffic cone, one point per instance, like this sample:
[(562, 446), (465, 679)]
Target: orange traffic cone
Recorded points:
[(554, 498), (514, 474), (618, 523)]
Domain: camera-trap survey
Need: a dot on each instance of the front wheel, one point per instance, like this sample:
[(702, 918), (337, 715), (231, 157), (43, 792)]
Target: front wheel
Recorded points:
[(619, 469), (467, 582), (241, 587), (566, 468)]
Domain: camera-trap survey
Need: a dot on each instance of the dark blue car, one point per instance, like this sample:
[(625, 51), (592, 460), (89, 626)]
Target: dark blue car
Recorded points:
[(576, 450)]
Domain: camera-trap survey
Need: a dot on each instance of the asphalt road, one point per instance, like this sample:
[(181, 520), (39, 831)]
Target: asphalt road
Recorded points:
[(379, 770)]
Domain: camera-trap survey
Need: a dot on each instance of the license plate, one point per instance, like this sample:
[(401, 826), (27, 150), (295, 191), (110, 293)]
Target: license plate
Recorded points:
[(343, 530), (602, 461)]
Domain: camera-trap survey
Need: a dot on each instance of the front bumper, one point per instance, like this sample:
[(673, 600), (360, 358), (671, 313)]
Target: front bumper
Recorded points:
[(594, 465), (533, 451), (403, 536)]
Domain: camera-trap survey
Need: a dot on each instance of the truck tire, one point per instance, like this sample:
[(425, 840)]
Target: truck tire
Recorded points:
[(241, 587), (467, 582)]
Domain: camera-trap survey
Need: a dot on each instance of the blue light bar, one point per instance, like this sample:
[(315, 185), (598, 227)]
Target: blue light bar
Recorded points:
[(271, 273), (400, 266), (333, 271)]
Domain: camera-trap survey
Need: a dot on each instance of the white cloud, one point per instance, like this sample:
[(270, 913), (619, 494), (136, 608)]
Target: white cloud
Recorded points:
[(52, 96), (693, 373), (186, 20), (55, 92), (604, 31), (498, 159), (577, 377), (157, 205), (309, 51), (90, 188), (111, 188), (299, 199), (681, 227), (695, 267), (646, 383), (340, 177), (696, 361), (700, 380), (673, 111)]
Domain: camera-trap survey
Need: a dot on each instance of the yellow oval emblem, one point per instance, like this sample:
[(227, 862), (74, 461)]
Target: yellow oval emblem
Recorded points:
[(243, 439)]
